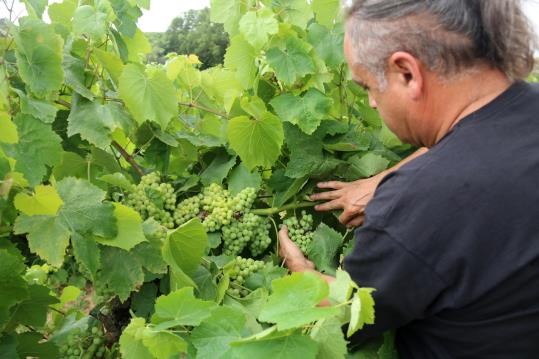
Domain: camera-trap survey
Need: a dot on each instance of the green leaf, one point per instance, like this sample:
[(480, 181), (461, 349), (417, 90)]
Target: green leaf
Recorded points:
[(295, 12), (43, 110), (39, 56), (9, 129), (340, 290), (61, 13), (285, 187), (75, 76), (45, 201), (307, 112), (148, 95), (291, 63), (185, 246), (38, 147), (33, 310), (131, 345), (118, 180), (362, 310), (31, 344), (35, 7), (257, 142), (256, 26), (368, 165), (326, 11), (327, 43), (130, 231), (241, 178), (294, 301), (324, 247), (13, 287), (111, 62), (283, 346), (240, 56), (162, 344), (95, 122), (218, 169), (228, 13), (137, 46), (83, 210), (120, 271), (181, 308), (47, 237), (212, 337), (87, 254), (88, 21), (330, 337)]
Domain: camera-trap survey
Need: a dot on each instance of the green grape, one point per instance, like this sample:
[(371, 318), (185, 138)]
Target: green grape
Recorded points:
[(249, 228), (301, 231), (244, 200), (261, 239), (242, 269), (217, 203)]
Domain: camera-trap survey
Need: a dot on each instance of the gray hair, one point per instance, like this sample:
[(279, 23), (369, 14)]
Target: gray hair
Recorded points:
[(448, 36)]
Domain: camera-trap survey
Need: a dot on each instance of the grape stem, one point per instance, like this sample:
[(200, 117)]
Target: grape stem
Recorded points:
[(274, 210)]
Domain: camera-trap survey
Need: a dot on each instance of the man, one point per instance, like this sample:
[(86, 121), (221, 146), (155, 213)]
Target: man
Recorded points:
[(450, 240)]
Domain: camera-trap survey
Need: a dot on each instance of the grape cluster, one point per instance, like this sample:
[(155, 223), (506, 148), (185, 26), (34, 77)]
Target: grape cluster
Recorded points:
[(84, 344), (261, 239), (150, 192), (243, 268), (218, 205), (249, 228), (244, 200), (301, 231), (188, 209)]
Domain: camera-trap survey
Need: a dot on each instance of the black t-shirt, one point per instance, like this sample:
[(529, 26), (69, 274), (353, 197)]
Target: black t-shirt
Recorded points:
[(451, 240)]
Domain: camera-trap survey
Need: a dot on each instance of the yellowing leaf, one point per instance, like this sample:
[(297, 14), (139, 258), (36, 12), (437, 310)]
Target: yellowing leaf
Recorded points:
[(8, 134), (130, 231), (45, 201)]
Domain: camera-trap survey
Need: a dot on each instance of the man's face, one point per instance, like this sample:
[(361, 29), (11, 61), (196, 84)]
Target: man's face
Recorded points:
[(390, 102)]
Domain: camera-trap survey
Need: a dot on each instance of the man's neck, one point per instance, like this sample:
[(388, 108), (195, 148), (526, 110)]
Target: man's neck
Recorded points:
[(465, 95)]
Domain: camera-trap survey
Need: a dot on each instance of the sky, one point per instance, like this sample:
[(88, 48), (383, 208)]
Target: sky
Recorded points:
[(163, 11)]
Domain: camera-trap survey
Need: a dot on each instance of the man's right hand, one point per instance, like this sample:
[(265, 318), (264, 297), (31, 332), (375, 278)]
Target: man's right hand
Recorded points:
[(352, 197)]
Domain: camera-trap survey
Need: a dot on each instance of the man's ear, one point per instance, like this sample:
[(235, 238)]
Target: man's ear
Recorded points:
[(405, 69)]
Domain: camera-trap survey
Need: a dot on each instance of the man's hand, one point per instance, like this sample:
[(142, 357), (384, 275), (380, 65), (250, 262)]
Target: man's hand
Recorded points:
[(291, 254), (352, 197)]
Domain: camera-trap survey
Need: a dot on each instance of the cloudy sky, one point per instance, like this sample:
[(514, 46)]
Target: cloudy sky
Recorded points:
[(163, 11)]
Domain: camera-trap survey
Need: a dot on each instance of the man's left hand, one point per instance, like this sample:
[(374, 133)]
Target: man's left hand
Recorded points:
[(292, 255)]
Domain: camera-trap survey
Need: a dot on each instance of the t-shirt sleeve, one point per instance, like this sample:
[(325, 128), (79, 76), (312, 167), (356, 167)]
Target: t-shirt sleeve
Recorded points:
[(405, 285)]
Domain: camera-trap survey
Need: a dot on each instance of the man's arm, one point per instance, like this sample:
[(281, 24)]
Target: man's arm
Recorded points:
[(353, 197)]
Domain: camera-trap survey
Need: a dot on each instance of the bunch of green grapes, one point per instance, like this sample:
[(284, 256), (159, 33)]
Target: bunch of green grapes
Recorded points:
[(188, 209), (85, 344), (261, 239), (218, 205), (149, 191), (244, 200), (243, 268), (301, 231)]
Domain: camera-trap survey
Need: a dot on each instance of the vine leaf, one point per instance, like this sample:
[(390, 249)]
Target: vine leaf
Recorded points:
[(130, 232), (367, 165), (13, 287), (240, 56), (328, 43), (81, 214), (294, 301), (228, 13), (277, 346), (181, 307), (33, 310), (9, 129), (45, 201), (43, 110), (162, 344), (88, 21), (257, 142), (362, 310), (241, 178), (326, 11), (131, 345), (37, 148), (120, 271), (256, 26), (96, 122), (324, 248), (296, 12), (330, 337), (307, 111), (39, 56), (148, 95), (185, 246), (212, 337), (291, 63)]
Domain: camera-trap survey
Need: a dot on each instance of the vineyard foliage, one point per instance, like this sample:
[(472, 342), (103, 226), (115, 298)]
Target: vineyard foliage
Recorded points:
[(139, 202)]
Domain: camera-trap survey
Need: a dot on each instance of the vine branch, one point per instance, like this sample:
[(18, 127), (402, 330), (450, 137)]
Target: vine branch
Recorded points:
[(202, 108), (128, 158), (274, 210)]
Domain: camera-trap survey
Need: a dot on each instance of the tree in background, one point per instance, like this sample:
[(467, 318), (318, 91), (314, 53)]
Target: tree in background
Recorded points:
[(192, 33)]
